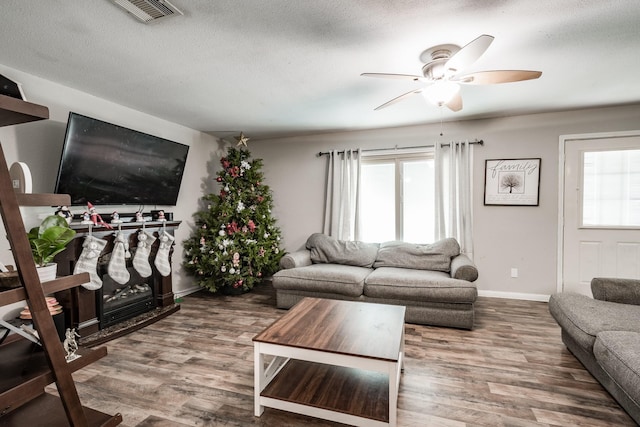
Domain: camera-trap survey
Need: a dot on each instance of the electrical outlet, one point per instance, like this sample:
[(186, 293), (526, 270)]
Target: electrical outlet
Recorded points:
[(514, 272)]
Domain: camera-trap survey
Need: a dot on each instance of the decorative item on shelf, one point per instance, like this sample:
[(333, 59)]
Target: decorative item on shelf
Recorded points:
[(9, 278), (11, 88), (65, 213), (49, 239), (96, 219), (139, 217), (21, 177), (235, 244), (55, 309), (86, 218), (71, 345), (115, 218)]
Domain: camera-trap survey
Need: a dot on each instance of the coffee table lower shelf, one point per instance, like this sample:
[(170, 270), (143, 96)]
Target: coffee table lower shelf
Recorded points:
[(331, 392)]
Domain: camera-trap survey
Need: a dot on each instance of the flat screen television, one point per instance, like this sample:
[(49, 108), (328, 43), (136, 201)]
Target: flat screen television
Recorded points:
[(107, 164)]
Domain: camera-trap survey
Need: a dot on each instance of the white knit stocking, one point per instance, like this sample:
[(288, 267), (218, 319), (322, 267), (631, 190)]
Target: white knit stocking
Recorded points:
[(162, 257), (141, 258), (88, 261), (117, 268)]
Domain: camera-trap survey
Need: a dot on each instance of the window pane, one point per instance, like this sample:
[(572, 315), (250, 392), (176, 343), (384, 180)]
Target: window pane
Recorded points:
[(611, 188), (418, 196), (377, 202)]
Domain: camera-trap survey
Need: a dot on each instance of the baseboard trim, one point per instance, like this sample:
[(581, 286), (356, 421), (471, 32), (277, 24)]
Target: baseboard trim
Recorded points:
[(514, 295), (185, 292)]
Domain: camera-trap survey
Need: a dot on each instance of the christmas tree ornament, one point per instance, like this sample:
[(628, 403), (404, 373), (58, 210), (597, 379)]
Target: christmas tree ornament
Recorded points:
[(141, 258), (242, 140), (117, 267), (88, 261), (162, 262)]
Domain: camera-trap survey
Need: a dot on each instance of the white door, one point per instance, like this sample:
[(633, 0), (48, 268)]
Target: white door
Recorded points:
[(600, 209)]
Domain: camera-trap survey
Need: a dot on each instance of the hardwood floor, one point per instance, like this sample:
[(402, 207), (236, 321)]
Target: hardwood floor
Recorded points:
[(195, 368)]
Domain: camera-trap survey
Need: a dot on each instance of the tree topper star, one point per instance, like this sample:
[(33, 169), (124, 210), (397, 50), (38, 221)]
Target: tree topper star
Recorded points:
[(242, 140)]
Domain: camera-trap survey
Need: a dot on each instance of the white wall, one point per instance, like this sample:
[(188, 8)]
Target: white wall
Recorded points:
[(39, 144), (506, 237)]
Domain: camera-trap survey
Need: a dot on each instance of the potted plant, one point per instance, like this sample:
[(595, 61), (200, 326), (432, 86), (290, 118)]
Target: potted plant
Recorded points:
[(49, 239)]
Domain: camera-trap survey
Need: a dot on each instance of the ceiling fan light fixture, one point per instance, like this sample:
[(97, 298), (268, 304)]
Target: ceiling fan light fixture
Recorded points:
[(441, 92)]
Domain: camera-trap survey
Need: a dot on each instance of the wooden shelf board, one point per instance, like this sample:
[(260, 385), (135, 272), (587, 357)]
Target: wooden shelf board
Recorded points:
[(56, 285), (49, 407), (43, 199), (24, 370), (335, 388), (14, 111)]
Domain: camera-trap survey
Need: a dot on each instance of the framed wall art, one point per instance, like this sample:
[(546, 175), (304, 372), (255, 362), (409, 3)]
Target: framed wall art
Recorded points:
[(512, 182)]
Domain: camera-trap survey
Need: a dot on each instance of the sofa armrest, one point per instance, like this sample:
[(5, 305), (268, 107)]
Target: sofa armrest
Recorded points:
[(463, 268), (295, 259), (624, 291)]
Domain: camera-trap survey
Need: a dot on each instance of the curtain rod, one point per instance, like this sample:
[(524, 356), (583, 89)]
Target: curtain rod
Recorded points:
[(475, 141)]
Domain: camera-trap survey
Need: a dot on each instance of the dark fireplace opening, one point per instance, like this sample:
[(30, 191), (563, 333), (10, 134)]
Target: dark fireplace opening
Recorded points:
[(119, 302)]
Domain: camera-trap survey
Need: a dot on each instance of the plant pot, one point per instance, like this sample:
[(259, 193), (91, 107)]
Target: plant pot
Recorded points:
[(48, 272)]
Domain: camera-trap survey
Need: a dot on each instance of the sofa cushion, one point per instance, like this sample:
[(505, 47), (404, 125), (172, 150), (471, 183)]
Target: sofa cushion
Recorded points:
[(436, 256), (328, 250), (463, 268), (330, 278), (583, 318), (421, 285), (618, 353)]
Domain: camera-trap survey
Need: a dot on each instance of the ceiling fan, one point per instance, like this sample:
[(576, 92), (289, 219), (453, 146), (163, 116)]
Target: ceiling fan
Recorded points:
[(441, 70)]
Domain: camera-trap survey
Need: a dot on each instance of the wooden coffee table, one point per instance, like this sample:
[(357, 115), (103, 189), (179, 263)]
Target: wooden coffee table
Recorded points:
[(337, 360)]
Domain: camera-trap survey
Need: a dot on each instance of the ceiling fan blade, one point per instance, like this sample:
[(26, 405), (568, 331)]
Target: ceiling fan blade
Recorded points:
[(397, 99), (497, 76), (456, 103), (395, 76), (467, 55)]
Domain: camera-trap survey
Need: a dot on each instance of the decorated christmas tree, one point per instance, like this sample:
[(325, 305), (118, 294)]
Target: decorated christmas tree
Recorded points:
[(235, 243)]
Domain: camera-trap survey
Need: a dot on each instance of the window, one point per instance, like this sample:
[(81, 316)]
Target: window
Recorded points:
[(611, 188), (397, 198)]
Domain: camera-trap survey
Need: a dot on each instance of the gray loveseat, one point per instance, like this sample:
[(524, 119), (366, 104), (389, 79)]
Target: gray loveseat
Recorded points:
[(434, 282), (603, 333)]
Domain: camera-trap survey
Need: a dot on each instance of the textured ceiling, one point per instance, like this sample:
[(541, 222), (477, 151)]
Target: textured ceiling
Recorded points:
[(286, 67)]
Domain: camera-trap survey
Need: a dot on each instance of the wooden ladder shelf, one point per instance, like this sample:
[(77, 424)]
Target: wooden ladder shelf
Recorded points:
[(24, 373)]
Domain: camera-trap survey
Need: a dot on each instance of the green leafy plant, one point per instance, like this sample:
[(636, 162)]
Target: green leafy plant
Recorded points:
[(49, 239)]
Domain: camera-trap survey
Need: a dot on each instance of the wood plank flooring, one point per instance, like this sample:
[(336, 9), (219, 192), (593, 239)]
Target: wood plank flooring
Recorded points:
[(195, 368)]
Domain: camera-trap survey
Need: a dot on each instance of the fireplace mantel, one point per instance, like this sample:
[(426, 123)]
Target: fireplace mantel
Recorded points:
[(79, 304)]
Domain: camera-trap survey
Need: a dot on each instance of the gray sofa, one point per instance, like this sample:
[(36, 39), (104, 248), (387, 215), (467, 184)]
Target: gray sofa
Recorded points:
[(603, 333), (434, 282)]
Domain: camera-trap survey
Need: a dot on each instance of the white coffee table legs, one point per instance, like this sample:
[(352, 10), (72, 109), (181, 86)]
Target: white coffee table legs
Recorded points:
[(263, 375)]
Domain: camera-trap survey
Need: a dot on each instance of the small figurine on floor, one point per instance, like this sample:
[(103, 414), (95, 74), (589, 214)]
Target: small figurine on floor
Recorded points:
[(70, 344)]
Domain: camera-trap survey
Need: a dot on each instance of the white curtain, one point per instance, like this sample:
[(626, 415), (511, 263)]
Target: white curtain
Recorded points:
[(453, 178), (341, 203)]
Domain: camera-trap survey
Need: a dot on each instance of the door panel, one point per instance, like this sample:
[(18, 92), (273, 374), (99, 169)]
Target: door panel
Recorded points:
[(589, 252)]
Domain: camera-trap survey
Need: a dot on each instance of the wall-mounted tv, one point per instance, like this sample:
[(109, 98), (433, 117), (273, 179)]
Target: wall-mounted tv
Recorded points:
[(107, 164)]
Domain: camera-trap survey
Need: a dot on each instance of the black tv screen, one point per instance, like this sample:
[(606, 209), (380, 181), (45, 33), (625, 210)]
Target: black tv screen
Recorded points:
[(107, 164)]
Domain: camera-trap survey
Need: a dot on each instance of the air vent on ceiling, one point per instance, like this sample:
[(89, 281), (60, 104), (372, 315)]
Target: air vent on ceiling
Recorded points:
[(148, 10)]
